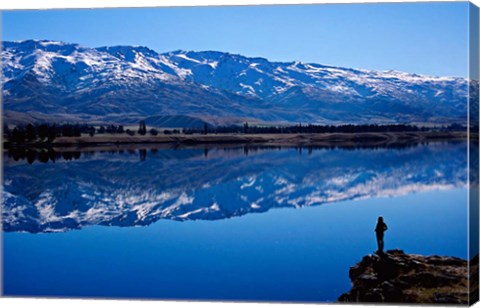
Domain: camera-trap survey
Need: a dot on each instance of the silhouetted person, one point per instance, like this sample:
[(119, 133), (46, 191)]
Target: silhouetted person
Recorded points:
[(379, 230)]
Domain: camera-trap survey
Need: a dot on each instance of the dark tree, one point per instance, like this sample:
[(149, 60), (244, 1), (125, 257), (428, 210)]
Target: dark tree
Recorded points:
[(91, 131), (52, 132), (153, 132), (42, 131), (111, 129), (17, 136), (245, 128), (142, 128), (69, 130), (30, 132), (76, 130)]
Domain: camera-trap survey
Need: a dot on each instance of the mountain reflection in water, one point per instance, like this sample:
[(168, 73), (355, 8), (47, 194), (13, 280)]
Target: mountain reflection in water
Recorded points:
[(58, 191)]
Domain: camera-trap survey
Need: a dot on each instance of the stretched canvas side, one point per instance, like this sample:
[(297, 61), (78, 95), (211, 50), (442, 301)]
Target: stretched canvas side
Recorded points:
[(473, 151)]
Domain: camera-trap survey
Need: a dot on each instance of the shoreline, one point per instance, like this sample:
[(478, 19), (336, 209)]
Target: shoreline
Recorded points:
[(397, 277), (319, 139)]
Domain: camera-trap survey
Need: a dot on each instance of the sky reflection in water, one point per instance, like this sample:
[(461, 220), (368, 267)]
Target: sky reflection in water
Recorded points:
[(211, 245)]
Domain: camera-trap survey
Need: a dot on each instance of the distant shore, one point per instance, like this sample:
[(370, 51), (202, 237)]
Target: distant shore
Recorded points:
[(319, 139)]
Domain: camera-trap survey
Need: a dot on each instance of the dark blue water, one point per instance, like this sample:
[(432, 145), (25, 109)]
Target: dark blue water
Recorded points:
[(236, 224)]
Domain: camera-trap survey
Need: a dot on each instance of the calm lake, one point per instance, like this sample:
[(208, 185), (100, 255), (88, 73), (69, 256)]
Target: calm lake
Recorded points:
[(234, 223)]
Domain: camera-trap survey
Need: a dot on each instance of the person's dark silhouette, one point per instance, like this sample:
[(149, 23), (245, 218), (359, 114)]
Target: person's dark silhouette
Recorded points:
[(379, 230)]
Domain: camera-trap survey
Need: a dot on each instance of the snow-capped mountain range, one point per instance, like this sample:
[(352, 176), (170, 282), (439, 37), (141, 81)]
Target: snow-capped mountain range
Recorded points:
[(45, 80)]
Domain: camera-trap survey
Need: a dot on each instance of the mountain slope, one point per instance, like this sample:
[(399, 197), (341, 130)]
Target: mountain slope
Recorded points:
[(56, 80)]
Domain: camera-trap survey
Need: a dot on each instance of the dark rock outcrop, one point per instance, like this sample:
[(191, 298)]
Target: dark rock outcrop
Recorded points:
[(397, 277)]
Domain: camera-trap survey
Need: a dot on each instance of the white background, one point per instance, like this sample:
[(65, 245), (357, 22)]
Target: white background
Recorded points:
[(44, 4)]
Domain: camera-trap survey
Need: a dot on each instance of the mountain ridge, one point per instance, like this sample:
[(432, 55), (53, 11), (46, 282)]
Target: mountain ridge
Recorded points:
[(107, 84)]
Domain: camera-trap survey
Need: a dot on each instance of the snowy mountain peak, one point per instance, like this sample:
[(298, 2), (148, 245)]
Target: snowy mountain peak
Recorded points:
[(48, 77)]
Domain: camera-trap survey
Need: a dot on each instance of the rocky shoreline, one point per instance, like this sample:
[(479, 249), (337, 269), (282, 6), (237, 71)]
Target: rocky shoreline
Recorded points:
[(397, 277)]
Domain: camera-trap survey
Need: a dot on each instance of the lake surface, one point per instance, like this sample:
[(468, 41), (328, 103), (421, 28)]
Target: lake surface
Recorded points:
[(234, 223)]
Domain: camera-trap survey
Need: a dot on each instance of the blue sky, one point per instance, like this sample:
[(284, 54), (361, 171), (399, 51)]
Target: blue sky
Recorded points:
[(426, 38)]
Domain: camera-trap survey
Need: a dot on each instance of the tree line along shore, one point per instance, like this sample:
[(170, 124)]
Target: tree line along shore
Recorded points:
[(77, 134)]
